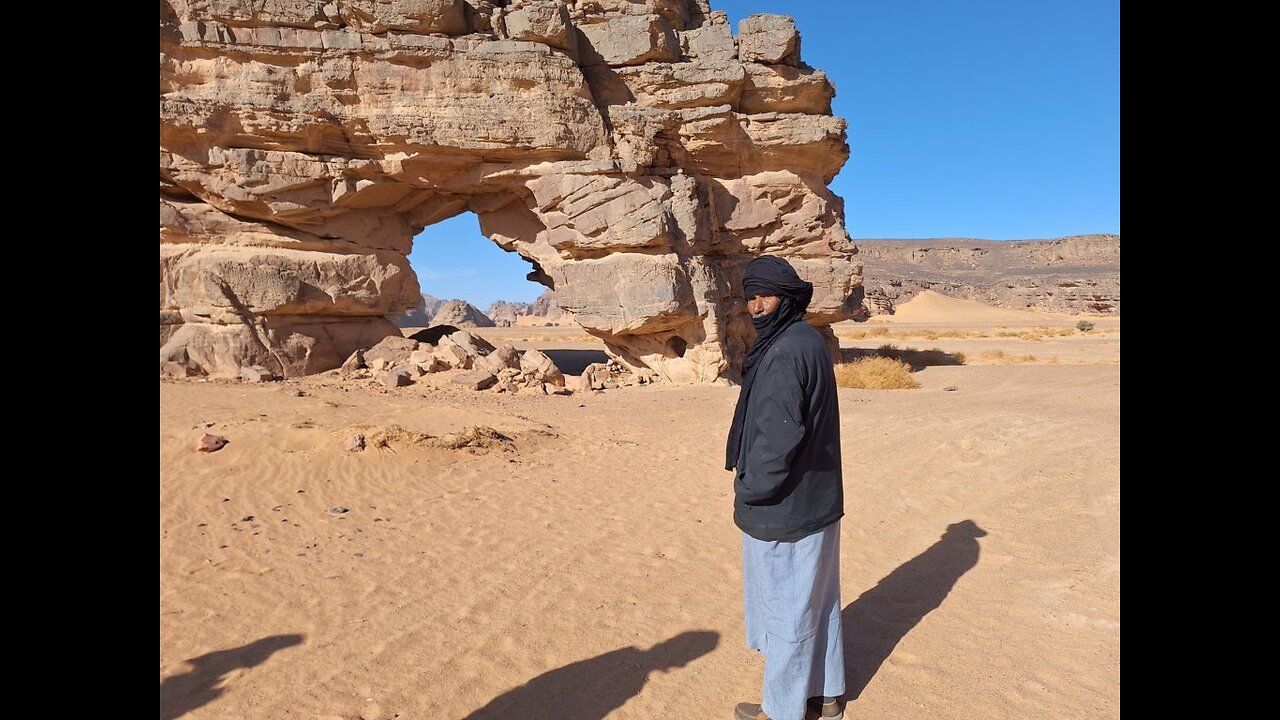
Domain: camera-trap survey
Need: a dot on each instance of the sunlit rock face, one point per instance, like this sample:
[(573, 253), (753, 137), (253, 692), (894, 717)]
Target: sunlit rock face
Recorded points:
[(636, 153)]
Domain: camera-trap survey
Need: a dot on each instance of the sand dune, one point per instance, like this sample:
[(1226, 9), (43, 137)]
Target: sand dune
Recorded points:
[(930, 307), (585, 564)]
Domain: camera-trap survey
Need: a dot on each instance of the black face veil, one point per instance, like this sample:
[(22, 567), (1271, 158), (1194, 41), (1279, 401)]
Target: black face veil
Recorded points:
[(766, 275)]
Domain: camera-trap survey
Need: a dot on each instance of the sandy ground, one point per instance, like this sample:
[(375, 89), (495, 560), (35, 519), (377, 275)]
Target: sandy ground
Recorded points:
[(587, 566)]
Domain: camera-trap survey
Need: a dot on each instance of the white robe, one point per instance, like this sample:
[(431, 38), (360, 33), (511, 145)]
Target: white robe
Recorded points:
[(791, 594)]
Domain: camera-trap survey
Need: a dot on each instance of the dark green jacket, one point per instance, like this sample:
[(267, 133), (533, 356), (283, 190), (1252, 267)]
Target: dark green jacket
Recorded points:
[(788, 481)]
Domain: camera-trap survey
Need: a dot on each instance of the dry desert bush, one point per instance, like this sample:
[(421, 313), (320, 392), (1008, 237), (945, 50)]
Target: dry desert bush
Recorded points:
[(557, 338), (389, 437), (1004, 358), (1036, 334), (474, 436), (875, 373), (919, 359), (904, 334)]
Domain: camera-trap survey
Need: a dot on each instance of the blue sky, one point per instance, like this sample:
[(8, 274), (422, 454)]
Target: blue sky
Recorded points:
[(994, 119)]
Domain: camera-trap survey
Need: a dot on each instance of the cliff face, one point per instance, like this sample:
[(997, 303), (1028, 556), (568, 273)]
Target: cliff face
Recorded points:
[(635, 152), (1076, 274)]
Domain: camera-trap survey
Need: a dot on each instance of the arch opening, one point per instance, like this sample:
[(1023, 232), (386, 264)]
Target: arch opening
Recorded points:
[(456, 262)]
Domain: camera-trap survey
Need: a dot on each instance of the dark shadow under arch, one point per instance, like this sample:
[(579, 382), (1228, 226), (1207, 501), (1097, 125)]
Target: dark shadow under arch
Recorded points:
[(573, 362)]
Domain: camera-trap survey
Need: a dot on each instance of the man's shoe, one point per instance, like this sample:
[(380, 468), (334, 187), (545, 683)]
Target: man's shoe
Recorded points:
[(749, 711), (819, 710)]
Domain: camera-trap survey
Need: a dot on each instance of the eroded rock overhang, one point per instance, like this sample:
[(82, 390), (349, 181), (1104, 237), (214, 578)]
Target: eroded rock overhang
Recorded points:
[(638, 154)]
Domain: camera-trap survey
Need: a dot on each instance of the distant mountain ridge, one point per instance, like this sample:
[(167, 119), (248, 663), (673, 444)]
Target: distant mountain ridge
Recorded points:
[(501, 313), (543, 310), (420, 316), (1073, 274), (434, 311)]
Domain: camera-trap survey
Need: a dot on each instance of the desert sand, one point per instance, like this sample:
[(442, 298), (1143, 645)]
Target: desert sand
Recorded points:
[(583, 564)]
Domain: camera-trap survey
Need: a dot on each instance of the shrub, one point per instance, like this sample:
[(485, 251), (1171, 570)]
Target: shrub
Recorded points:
[(1084, 326), (1036, 334), (1001, 357), (876, 373)]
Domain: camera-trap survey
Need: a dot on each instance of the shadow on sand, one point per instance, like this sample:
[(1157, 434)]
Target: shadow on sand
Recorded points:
[(591, 689), (883, 615), (181, 694), (917, 359)]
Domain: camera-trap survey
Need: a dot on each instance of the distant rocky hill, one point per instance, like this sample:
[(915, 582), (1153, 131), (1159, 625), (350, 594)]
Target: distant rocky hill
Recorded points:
[(546, 308), (420, 316), (434, 311), (541, 311), (503, 313), (460, 313), (1075, 274)]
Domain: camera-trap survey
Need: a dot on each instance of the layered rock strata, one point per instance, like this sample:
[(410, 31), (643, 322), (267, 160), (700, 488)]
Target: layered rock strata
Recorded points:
[(636, 153), (1079, 274)]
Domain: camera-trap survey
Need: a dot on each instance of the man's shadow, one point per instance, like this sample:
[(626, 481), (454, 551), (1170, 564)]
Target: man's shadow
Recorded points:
[(181, 694), (883, 615), (591, 689)]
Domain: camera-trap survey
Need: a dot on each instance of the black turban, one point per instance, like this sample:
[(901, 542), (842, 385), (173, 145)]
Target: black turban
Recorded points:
[(770, 275)]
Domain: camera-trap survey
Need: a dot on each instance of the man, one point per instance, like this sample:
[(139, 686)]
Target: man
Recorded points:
[(788, 500)]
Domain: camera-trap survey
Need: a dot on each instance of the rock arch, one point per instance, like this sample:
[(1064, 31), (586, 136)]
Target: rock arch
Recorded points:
[(634, 151)]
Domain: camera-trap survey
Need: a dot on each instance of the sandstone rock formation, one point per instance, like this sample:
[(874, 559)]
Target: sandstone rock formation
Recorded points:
[(549, 311), (542, 311), (420, 316), (1077, 274), (504, 313), (460, 313), (633, 151)]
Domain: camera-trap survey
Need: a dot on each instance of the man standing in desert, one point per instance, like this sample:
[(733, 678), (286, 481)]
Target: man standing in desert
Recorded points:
[(788, 500)]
